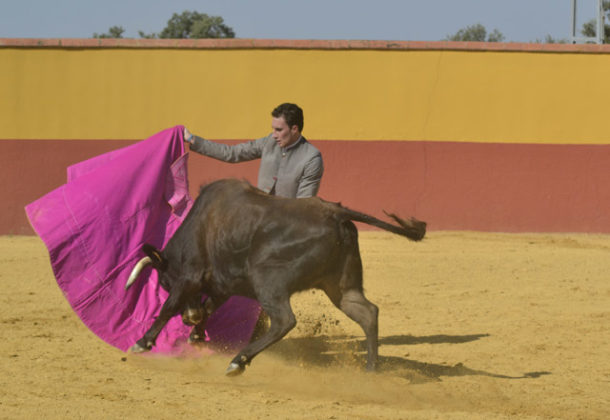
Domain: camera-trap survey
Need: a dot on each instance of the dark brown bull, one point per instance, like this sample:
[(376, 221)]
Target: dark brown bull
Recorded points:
[(238, 240)]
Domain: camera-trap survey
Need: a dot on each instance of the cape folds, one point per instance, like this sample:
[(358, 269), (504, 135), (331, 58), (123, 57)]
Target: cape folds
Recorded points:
[(94, 227)]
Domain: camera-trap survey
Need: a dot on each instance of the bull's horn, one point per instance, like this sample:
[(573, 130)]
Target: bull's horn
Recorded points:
[(136, 271)]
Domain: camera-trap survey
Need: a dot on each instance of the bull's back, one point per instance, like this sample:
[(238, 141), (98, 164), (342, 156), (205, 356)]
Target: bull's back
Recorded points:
[(244, 233)]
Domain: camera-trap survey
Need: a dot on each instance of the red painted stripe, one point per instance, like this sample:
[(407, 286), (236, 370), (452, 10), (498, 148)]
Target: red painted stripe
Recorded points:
[(460, 186), (453, 186), (31, 168), (475, 186)]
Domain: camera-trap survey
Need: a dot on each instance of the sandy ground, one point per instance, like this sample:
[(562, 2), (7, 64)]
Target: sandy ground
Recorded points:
[(472, 326)]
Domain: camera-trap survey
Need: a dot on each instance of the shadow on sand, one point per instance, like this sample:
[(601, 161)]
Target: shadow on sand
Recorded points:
[(325, 351)]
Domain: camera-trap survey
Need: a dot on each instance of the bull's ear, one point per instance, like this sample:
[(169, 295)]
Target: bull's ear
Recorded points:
[(159, 262)]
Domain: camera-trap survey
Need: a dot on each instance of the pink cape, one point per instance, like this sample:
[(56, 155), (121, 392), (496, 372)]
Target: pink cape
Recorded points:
[(94, 227)]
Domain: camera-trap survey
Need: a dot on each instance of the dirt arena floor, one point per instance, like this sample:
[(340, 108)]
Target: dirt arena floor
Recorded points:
[(472, 326)]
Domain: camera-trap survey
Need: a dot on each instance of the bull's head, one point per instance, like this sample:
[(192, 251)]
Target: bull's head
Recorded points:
[(154, 257), (189, 303)]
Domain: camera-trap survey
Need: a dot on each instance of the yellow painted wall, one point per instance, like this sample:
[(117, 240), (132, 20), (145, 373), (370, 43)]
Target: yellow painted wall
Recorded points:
[(434, 95)]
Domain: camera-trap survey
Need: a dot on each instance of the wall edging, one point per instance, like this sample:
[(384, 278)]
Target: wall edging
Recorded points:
[(248, 43)]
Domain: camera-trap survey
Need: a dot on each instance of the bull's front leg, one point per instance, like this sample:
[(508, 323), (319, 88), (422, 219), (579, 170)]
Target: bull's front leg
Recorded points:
[(168, 310), (282, 321), (209, 306)]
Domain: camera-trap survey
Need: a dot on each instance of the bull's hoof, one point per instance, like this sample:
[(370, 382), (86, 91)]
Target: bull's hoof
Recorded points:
[(235, 369), (136, 348), (197, 339)]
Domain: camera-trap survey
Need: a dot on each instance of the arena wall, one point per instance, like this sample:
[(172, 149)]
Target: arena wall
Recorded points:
[(467, 136)]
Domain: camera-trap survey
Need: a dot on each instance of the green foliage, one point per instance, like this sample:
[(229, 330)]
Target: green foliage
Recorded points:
[(589, 29), (147, 36), (495, 36), (113, 32), (195, 25), (477, 33), (550, 40), (185, 25)]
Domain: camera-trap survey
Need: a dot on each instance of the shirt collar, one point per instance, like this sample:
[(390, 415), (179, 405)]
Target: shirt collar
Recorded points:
[(293, 145)]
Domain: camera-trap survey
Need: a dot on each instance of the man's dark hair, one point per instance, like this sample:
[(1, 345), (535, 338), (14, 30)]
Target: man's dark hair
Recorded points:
[(291, 113)]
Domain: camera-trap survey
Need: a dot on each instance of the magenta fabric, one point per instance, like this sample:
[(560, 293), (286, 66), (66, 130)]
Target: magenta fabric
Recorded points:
[(94, 227)]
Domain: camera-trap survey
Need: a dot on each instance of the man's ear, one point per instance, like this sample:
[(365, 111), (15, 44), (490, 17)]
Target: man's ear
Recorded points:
[(159, 262)]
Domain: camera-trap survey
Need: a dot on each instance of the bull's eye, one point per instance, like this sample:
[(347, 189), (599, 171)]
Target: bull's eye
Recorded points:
[(164, 284)]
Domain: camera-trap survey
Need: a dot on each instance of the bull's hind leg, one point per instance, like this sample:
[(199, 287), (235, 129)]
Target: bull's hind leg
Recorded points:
[(346, 293), (353, 303), (282, 321)]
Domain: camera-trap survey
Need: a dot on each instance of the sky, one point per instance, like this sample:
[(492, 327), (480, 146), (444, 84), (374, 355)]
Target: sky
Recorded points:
[(397, 20)]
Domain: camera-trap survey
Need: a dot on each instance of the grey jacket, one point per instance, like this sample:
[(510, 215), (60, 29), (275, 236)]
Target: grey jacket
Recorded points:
[(295, 171)]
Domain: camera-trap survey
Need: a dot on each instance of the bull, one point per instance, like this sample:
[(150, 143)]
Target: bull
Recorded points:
[(238, 240)]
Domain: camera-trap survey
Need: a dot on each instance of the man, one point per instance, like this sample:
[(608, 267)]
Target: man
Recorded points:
[(290, 165)]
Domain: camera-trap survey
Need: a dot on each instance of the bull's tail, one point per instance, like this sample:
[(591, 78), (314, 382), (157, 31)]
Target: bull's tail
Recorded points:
[(412, 228)]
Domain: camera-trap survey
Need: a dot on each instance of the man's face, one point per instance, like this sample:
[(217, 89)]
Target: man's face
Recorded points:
[(283, 134)]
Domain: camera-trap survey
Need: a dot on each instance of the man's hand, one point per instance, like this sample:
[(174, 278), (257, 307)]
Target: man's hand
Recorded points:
[(188, 137)]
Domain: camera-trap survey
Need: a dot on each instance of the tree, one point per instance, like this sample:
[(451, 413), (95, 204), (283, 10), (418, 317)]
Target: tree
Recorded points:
[(476, 32), (589, 29), (193, 25), (113, 32), (186, 25), (548, 39)]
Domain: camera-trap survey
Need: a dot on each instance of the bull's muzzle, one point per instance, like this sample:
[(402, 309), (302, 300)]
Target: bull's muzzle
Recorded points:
[(192, 316)]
